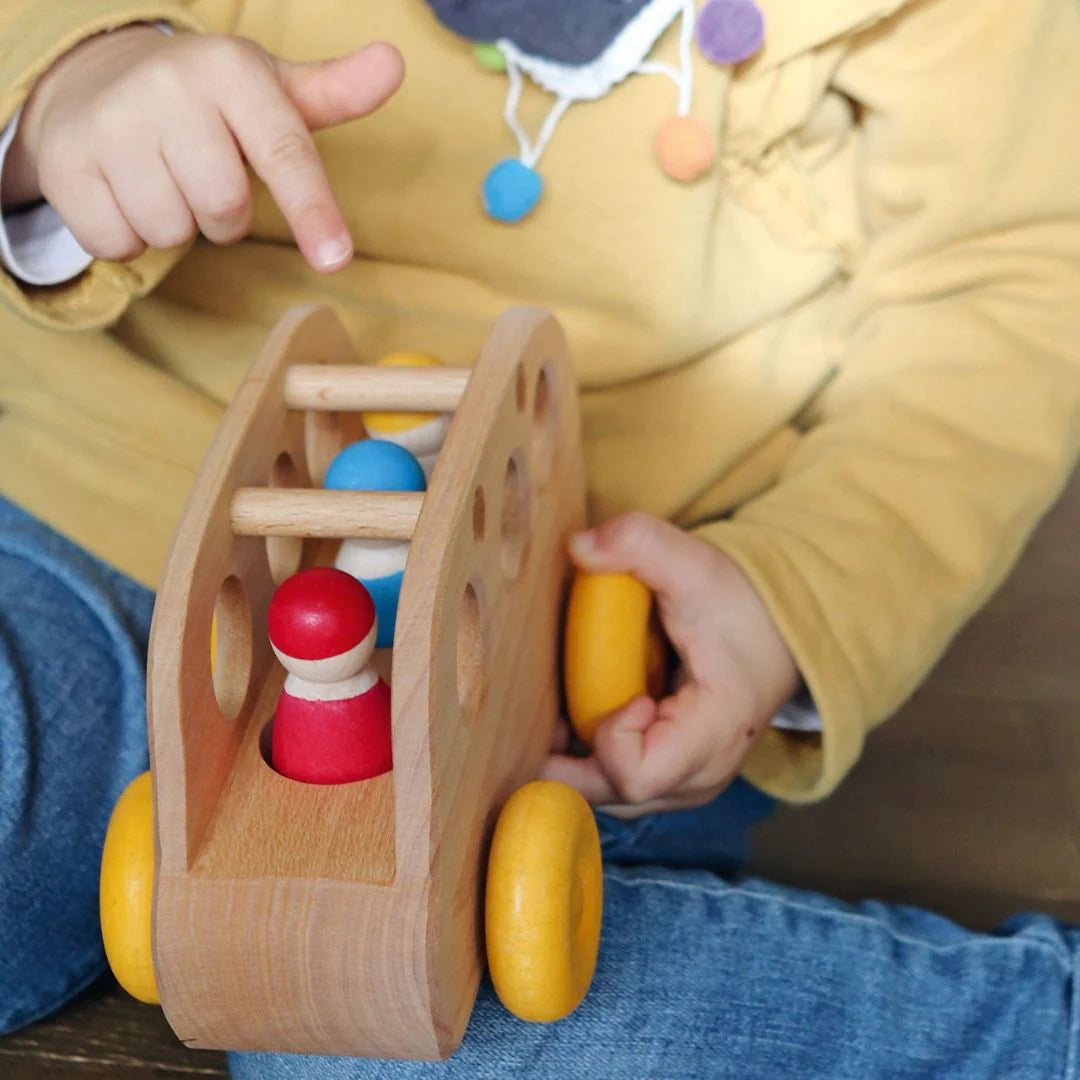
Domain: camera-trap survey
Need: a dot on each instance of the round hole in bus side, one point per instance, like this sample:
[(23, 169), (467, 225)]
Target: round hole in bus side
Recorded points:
[(284, 553), (479, 514), (521, 389), (231, 647), (514, 518), (471, 651), (544, 445)]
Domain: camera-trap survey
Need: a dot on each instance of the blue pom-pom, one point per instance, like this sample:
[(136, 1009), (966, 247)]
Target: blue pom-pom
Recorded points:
[(375, 465), (512, 190)]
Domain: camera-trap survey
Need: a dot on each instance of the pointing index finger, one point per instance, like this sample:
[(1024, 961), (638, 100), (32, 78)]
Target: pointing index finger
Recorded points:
[(280, 149)]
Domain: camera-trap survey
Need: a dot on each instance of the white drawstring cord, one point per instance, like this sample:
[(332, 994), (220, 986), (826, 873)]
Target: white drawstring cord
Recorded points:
[(528, 151), (682, 76)]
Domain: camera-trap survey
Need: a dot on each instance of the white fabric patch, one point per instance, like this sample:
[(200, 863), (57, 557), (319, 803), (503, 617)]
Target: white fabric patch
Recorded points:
[(620, 59), (625, 56)]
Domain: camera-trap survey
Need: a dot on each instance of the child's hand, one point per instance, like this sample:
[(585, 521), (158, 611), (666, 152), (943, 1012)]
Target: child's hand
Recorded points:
[(684, 750), (137, 138)]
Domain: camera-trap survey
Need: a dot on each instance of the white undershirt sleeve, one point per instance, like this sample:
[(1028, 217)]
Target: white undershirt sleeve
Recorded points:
[(35, 245), (798, 714)]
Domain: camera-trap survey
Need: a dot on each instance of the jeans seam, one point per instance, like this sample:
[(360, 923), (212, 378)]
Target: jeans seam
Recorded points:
[(1067, 963)]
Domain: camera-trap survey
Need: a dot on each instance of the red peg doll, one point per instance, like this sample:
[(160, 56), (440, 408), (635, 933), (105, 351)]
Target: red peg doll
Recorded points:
[(332, 723)]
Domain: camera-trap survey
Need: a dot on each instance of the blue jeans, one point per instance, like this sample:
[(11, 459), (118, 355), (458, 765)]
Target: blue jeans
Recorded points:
[(701, 974), (73, 638)]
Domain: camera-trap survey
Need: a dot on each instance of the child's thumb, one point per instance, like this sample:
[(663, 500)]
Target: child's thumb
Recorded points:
[(660, 555), (330, 92)]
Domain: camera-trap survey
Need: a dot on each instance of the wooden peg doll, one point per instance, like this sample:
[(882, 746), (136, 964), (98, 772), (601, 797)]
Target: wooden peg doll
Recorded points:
[(332, 722)]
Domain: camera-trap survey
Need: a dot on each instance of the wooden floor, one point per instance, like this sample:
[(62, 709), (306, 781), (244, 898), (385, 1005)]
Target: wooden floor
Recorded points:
[(967, 802), (104, 1035)]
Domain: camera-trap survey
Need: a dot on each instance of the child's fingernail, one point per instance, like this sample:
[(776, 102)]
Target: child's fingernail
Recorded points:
[(583, 544), (334, 252)]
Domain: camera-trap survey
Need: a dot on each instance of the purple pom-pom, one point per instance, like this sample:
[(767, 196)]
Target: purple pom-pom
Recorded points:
[(729, 31)]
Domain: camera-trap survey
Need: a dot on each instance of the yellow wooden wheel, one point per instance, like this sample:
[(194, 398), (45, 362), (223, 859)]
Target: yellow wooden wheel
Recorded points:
[(544, 901), (613, 649), (127, 889)]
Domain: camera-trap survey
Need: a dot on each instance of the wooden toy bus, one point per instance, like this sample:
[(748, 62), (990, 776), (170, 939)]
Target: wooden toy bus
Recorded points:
[(349, 919)]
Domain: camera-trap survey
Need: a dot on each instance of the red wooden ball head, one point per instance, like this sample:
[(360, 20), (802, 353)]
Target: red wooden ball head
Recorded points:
[(332, 722)]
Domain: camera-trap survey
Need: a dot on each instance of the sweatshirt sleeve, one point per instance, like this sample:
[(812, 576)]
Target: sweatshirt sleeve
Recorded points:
[(952, 420), (33, 35)]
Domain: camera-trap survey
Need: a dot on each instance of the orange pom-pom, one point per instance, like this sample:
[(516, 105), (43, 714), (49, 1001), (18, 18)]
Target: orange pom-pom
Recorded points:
[(685, 148)]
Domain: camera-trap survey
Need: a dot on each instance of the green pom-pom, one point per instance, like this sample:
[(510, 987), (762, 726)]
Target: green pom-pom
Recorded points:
[(489, 56)]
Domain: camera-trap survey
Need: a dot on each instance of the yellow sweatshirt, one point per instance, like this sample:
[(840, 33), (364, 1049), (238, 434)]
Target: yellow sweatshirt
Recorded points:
[(847, 356)]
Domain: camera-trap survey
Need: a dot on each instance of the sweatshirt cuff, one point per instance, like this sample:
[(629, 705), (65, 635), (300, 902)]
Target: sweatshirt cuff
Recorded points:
[(797, 765), (99, 294)]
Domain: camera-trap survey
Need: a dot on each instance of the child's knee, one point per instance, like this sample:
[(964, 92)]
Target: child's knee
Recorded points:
[(72, 733)]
